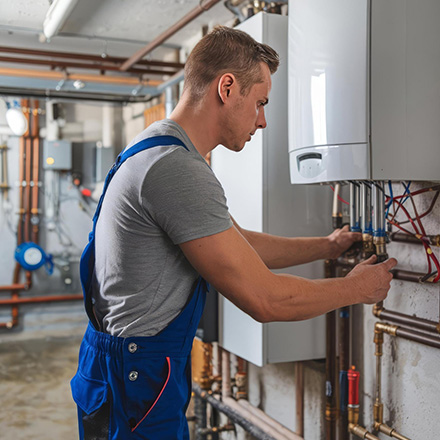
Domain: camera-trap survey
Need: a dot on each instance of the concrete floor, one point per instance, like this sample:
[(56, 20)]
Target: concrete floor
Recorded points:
[(35, 399)]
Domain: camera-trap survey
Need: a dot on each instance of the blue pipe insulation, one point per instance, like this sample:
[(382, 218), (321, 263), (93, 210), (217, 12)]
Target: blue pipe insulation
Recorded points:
[(343, 390)]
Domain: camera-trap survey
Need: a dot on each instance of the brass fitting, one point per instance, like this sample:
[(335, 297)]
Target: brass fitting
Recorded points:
[(386, 328), (361, 432), (391, 432), (377, 309), (353, 414), (380, 245), (331, 413), (367, 246), (378, 340), (378, 415)]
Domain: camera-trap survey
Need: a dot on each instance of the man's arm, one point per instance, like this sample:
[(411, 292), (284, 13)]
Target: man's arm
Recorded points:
[(280, 252), (229, 262)]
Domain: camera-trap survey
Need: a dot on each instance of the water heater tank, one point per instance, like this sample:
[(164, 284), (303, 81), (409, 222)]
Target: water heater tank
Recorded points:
[(364, 99)]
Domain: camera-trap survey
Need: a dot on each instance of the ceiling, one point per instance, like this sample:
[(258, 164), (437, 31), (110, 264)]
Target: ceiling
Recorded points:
[(104, 28)]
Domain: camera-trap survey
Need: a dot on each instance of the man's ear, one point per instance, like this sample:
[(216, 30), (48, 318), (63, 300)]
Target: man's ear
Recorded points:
[(226, 85)]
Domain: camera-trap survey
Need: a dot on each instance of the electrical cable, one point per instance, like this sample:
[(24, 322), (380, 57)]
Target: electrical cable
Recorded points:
[(416, 222)]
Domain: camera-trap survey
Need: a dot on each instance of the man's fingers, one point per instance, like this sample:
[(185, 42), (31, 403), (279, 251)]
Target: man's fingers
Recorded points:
[(357, 236), (389, 264), (345, 228), (370, 260)]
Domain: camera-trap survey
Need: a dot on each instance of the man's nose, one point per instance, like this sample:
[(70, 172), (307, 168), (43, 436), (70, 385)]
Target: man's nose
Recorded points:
[(261, 120)]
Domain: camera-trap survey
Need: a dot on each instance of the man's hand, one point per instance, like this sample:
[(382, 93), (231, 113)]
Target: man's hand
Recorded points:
[(372, 281), (341, 239)]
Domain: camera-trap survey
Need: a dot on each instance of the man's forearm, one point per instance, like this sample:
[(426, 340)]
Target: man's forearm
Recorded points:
[(280, 252)]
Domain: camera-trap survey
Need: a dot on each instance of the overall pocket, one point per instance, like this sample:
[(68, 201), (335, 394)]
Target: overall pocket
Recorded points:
[(149, 390), (91, 396)]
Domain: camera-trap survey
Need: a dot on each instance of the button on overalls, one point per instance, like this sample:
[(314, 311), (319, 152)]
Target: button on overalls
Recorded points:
[(136, 387)]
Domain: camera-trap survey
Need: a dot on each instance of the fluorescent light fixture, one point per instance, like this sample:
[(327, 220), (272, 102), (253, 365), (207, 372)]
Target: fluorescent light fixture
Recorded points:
[(56, 16)]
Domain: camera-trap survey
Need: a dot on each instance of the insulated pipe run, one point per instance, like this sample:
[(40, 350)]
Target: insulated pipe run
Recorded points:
[(278, 427), (235, 413), (354, 207), (365, 202), (378, 200), (256, 420), (336, 211)]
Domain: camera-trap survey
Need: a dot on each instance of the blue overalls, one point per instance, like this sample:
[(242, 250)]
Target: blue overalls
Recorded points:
[(135, 387)]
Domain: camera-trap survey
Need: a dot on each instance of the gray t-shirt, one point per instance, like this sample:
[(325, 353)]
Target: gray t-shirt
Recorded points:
[(158, 198)]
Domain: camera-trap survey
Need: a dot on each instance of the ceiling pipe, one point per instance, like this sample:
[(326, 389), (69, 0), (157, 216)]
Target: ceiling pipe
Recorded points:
[(102, 66), (56, 16), (198, 10), (51, 75), (86, 57)]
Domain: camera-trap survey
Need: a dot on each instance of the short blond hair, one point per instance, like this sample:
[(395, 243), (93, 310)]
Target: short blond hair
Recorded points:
[(226, 50)]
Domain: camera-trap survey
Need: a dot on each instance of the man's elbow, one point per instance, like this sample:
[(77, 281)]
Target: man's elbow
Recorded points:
[(263, 312)]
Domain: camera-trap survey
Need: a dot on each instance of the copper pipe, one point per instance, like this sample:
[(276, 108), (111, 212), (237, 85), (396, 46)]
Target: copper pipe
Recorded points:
[(398, 274), (35, 171), (12, 287), (378, 405), (39, 299), (27, 190), (415, 336), (344, 353), (47, 74), (400, 237), (81, 56), (407, 320), (331, 410), (88, 66), (412, 335), (15, 295), (299, 401), (168, 33)]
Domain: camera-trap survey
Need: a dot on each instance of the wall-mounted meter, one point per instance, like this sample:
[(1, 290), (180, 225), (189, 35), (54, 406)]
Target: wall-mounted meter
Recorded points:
[(364, 96)]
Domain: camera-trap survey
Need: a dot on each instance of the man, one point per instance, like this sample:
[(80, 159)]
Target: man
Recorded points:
[(163, 228)]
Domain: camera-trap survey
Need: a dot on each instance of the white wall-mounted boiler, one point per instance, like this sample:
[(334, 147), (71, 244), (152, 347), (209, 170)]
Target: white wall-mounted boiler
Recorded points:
[(364, 90)]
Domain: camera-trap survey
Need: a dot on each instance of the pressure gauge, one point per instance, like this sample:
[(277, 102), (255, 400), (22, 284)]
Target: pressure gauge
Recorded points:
[(31, 257)]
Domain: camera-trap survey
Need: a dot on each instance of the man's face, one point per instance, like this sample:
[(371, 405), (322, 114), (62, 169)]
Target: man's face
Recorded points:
[(247, 113)]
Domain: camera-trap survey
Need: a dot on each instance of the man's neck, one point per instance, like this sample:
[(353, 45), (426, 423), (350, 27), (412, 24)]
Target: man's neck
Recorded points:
[(200, 124)]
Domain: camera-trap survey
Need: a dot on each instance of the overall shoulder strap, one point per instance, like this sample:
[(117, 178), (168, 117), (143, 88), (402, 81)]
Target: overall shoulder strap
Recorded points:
[(129, 152)]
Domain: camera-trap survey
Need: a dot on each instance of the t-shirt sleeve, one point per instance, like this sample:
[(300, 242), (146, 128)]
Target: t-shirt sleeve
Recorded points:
[(183, 196)]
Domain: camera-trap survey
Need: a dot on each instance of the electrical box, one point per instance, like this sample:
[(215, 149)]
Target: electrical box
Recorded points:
[(261, 198), (364, 101), (57, 155)]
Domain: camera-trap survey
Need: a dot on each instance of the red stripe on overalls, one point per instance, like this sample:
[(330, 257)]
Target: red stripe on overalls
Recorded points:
[(158, 397)]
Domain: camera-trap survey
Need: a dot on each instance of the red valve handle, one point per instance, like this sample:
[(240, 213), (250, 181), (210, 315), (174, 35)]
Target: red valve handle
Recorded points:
[(353, 386)]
